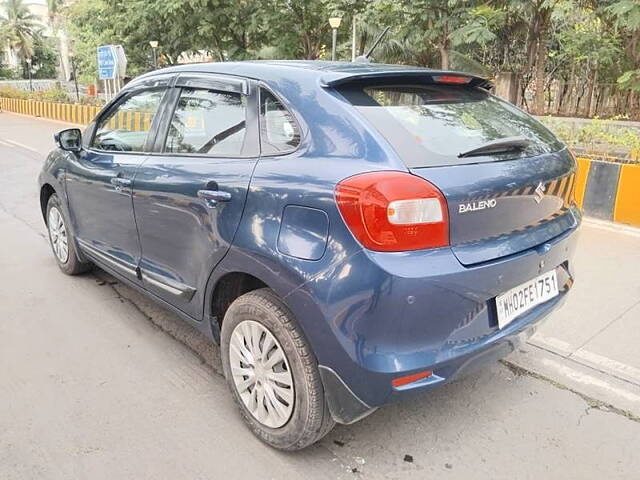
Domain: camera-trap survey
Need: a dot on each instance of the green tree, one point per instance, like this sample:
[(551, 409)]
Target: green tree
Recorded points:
[(45, 59), (20, 28), (626, 16)]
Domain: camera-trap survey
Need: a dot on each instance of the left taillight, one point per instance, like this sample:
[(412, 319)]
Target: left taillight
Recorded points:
[(393, 211)]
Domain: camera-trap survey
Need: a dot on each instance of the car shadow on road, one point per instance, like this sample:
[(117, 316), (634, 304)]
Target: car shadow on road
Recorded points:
[(454, 428)]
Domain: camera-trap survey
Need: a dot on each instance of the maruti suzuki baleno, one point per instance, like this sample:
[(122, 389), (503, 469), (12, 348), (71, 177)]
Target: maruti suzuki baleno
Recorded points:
[(351, 234)]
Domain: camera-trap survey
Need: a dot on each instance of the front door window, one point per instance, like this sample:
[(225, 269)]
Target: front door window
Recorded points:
[(127, 126)]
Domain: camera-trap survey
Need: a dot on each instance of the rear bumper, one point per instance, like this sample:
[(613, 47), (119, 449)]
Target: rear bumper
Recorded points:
[(346, 407), (390, 315)]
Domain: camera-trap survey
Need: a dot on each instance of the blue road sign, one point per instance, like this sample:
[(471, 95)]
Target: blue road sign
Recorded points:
[(107, 62)]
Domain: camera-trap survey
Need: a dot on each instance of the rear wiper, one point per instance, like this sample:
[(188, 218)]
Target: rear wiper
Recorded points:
[(502, 145)]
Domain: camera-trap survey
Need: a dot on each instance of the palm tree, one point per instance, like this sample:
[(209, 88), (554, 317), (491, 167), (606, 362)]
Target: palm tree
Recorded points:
[(54, 8), (20, 28)]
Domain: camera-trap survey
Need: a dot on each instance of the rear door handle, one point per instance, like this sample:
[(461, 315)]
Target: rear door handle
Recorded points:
[(212, 197)]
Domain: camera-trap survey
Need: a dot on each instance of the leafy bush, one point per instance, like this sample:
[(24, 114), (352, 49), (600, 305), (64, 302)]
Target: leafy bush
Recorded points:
[(91, 101), (10, 92), (8, 73), (55, 94), (605, 139)]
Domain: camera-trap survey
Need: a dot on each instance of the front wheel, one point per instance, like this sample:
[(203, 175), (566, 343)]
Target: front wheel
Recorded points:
[(61, 239), (273, 373)]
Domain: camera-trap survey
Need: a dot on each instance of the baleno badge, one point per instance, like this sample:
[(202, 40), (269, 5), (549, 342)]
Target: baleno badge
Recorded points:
[(473, 206)]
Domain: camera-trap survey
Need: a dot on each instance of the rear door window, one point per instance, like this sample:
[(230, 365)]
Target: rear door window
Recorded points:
[(208, 122), (431, 125)]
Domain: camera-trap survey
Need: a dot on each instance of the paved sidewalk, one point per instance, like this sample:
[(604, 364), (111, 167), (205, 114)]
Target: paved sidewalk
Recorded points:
[(592, 344)]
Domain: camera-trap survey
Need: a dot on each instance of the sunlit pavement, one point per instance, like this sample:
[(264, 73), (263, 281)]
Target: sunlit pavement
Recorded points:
[(98, 382)]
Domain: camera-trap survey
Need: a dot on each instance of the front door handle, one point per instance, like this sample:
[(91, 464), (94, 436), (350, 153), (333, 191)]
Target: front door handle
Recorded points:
[(212, 197), (121, 182)]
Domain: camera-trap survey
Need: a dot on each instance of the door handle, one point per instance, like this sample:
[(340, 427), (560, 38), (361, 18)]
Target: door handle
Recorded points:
[(212, 197), (121, 182)]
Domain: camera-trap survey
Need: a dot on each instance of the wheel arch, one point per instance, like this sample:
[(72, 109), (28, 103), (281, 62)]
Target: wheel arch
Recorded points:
[(46, 190), (224, 291)]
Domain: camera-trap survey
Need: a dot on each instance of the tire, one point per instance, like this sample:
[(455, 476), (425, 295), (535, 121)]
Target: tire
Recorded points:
[(309, 419), (59, 235)]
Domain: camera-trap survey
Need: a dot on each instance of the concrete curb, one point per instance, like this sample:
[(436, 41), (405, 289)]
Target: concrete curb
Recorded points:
[(598, 388), (609, 191)]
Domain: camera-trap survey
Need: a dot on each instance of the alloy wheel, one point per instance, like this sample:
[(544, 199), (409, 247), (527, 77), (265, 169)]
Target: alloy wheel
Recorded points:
[(58, 235), (261, 374)]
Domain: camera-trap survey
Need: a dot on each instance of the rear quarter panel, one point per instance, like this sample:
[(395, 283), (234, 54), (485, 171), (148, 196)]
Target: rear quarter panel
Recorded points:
[(335, 145)]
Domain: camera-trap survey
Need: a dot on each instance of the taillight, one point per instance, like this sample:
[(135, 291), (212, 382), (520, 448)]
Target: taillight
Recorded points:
[(393, 211)]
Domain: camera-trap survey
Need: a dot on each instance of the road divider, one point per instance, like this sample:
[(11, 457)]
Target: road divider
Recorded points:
[(64, 112), (609, 191), (75, 113)]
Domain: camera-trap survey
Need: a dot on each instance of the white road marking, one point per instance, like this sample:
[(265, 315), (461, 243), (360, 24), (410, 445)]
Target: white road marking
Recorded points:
[(12, 143)]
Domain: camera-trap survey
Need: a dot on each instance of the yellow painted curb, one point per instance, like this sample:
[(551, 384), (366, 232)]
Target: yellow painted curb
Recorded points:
[(64, 112), (581, 179), (627, 208)]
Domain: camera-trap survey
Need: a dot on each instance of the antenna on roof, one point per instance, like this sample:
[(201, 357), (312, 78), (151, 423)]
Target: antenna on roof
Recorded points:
[(365, 58)]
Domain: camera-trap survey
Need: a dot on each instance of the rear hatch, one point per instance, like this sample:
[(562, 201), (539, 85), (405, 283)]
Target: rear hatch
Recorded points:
[(507, 180)]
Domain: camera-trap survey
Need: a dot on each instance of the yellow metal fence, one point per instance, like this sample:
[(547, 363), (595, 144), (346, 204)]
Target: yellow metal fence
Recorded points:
[(65, 112)]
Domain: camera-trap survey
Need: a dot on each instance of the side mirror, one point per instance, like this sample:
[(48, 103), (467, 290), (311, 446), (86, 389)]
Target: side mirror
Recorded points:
[(69, 139)]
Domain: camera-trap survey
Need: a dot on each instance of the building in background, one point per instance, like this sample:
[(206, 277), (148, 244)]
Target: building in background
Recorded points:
[(60, 41)]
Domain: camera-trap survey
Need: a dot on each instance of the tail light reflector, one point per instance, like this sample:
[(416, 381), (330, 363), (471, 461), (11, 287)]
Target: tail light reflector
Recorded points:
[(393, 211), (414, 377)]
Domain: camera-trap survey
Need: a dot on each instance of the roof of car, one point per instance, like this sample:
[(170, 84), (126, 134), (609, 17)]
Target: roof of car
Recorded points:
[(329, 73)]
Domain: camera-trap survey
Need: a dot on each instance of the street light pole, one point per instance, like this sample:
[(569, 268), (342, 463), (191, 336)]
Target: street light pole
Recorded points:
[(335, 23), (154, 45)]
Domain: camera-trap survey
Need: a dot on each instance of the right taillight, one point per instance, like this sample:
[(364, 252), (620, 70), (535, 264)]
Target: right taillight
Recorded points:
[(393, 211)]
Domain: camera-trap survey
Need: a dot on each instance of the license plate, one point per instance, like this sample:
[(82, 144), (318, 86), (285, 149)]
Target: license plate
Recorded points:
[(524, 297)]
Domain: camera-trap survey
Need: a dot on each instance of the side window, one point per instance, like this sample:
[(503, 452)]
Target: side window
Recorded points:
[(279, 132), (208, 122), (126, 128)]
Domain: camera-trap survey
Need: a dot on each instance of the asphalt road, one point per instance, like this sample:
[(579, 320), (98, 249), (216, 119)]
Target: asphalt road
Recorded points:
[(98, 382)]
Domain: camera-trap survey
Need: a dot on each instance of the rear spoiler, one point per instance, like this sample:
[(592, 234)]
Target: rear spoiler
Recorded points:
[(335, 79)]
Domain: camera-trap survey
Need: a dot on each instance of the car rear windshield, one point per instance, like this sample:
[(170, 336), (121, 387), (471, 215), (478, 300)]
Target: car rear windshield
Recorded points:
[(431, 125)]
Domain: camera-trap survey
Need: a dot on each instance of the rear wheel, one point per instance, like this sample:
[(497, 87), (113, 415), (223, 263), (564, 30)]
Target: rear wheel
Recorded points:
[(61, 239), (272, 372)]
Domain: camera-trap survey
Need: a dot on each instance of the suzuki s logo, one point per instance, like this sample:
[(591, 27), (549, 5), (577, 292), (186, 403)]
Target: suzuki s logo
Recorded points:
[(538, 193), (474, 206)]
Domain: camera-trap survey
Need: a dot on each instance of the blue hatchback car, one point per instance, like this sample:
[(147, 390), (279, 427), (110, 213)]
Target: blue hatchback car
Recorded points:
[(350, 234)]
